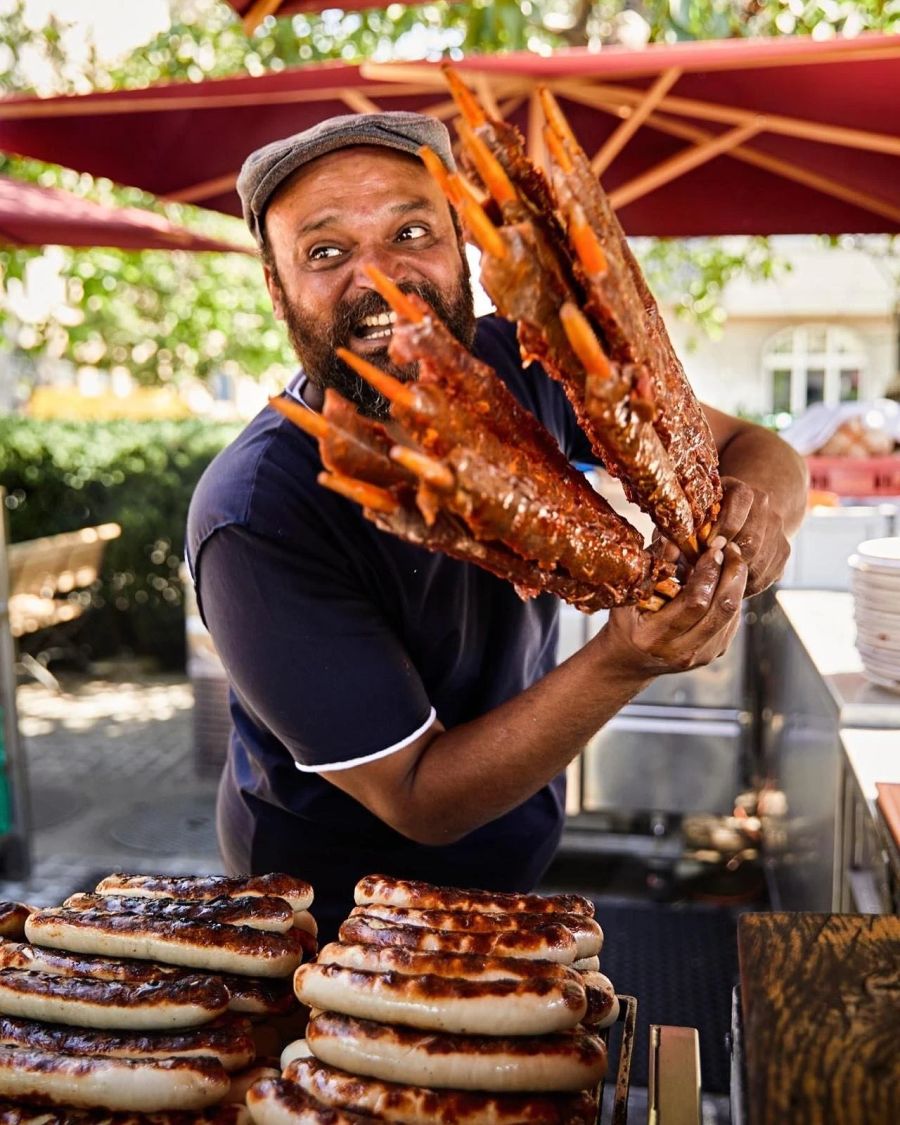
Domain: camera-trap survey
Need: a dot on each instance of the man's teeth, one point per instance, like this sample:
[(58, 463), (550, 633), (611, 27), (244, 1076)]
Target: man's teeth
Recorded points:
[(376, 327)]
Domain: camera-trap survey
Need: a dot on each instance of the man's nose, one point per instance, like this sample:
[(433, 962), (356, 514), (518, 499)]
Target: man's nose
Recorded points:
[(388, 261)]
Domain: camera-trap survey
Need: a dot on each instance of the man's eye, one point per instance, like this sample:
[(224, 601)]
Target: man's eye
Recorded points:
[(413, 231), (320, 252)]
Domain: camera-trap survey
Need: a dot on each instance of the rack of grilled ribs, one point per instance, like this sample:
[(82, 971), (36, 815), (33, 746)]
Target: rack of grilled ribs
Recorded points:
[(468, 471)]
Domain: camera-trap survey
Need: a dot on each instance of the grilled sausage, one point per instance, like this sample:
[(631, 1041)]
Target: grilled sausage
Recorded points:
[(29, 1115), (241, 1083), (586, 931), (201, 888), (424, 896), (42, 959), (275, 1101), (298, 1049), (259, 912), (467, 966), (552, 942), (259, 996), (587, 964), (188, 1002), (563, 1062), (12, 919), (200, 945), (602, 1002), (253, 996), (229, 1041), (140, 1085), (418, 1105), (468, 1007), (303, 920)]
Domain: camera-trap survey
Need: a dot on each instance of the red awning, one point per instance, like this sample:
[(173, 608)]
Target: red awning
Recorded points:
[(745, 136), (31, 215)]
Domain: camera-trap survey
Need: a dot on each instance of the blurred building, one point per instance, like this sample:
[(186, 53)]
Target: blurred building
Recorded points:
[(826, 331)]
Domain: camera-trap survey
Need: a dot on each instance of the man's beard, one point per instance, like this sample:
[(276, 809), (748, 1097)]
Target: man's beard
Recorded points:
[(315, 343)]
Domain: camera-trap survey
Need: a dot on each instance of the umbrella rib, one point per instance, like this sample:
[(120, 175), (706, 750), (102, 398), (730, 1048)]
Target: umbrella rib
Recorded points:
[(626, 130), (259, 10), (485, 93), (732, 115), (784, 168), (87, 105), (204, 190), (359, 102), (508, 96), (683, 162)]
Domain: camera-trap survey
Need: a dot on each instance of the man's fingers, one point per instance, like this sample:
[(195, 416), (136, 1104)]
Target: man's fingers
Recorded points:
[(737, 503), (725, 604), (691, 605)]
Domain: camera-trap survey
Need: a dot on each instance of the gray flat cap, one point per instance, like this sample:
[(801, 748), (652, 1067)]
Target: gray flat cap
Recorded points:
[(266, 169)]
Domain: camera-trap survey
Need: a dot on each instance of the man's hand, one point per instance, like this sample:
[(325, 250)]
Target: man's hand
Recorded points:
[(695, 628), (748, 520)]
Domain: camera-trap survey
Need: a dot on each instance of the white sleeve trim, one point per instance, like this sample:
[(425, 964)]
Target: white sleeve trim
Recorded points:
[(410, 738)]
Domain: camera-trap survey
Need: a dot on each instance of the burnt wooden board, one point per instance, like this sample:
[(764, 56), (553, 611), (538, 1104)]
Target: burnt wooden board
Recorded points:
[(821, 1002)]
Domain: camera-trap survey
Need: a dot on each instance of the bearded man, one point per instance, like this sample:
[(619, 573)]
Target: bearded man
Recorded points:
[(398, 711)]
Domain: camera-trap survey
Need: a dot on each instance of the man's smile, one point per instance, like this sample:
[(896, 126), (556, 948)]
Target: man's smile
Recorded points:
[(376, 327)]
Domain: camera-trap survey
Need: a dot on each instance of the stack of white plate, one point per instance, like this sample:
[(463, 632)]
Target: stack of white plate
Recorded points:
[(875, 583)]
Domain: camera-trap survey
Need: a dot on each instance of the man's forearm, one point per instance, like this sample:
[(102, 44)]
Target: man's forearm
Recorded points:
[(480, 770), (483, 769), (765, 462)]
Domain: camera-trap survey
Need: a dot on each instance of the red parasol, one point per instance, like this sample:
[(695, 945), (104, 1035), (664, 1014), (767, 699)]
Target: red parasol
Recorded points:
[(31, 215), (743, 136), (253, 12)]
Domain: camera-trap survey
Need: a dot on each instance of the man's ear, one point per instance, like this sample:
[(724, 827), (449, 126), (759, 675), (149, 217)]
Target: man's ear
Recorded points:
[(275, 293)]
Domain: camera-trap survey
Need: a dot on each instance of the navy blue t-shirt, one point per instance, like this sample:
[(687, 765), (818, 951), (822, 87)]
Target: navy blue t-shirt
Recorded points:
[(342, 643)]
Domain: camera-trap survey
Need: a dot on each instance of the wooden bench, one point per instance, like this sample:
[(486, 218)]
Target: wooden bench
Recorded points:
[(44, 573)]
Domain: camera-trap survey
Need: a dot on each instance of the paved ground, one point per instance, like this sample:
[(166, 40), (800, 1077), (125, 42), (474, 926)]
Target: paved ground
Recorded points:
[(113, 783)]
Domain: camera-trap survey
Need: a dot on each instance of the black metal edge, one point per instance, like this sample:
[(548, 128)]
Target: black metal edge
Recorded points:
[(738, 1092), (628, 1018)]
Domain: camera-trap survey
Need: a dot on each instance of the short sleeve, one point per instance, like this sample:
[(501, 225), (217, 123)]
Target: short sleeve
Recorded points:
[(308, 653)]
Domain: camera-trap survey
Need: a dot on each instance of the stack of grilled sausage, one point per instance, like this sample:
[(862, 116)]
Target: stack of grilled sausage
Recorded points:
[(151, 996), (448, 1005)]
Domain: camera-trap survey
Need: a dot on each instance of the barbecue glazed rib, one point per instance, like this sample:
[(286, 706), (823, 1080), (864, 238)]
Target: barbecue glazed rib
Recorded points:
[(559, 265), (474, 474)]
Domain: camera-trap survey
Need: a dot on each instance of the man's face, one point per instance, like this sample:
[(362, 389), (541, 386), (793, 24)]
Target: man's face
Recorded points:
[(358, 207)]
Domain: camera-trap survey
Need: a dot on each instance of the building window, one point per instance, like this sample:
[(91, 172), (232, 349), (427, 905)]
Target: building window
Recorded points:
[(813, 363)]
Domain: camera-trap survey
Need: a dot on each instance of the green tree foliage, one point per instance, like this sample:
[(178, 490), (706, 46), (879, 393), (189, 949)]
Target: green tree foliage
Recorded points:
[(60, 476)]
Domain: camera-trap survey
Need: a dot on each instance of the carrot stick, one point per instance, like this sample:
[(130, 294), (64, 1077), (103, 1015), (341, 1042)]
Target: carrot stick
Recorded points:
[(558, 152), (489, 167), (482, 228), (370, 496), (584, 342), (392, 389), (556, 120), (668, 587), (587, 244), (301, 416), (394, 295), (464, 98), (427, 468), (450, 185)]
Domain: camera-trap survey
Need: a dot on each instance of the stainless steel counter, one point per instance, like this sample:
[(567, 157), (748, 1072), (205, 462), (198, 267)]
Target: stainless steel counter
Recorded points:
[(814, 696), (869, 866), (823, 623)]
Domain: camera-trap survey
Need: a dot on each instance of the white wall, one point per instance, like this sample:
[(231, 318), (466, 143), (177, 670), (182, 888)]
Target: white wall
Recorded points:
[(728, 373), (824, 286)]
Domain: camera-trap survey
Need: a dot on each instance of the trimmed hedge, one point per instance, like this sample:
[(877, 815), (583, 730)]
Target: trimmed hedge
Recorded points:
[(60, 476)]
